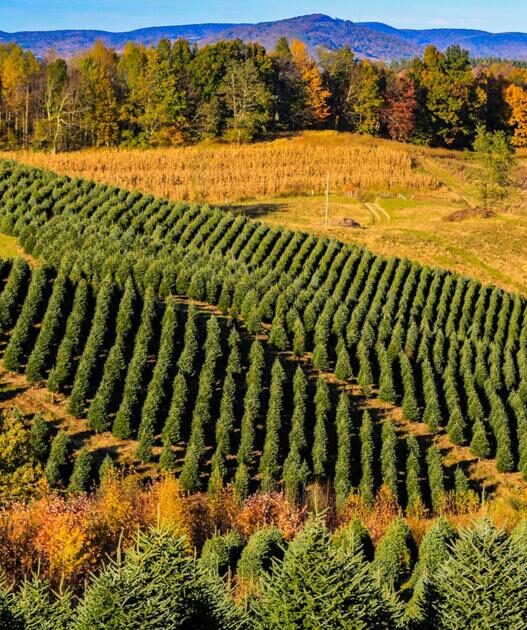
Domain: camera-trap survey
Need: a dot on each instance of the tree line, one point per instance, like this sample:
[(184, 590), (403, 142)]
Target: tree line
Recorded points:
[(176, 93)]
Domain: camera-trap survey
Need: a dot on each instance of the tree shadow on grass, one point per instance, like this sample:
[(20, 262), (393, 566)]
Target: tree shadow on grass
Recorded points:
[(256, 210)]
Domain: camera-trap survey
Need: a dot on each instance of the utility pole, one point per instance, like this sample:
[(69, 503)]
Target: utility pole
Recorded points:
[(327, 203)]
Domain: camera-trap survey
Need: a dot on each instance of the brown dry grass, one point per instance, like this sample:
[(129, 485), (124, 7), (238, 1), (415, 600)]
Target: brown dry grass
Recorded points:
[(229, 173)]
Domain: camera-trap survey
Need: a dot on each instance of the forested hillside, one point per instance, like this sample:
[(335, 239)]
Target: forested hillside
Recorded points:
[(175, 93)]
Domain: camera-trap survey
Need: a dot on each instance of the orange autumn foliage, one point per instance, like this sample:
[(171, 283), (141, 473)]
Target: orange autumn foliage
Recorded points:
[(274, 509), (516, 99)]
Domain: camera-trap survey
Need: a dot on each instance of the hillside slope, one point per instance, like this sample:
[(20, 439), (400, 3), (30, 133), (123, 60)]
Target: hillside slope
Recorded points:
[(369, 39)]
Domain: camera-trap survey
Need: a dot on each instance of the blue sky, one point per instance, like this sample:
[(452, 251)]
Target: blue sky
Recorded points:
[(123, 15)]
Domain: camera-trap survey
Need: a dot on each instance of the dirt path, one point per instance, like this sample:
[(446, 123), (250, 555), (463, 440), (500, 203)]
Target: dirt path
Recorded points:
[(379, 215)]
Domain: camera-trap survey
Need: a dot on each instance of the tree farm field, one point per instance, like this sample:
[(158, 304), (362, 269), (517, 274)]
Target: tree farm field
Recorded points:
[(392, 198)]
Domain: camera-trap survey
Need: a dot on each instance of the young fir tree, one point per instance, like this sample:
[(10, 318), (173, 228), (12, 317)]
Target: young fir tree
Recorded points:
[(82, 470), (319, 452), (187, 358), (394, 555), (299, 338), (343, 369), (389, 457), (224, 428), (156, 395), (367, 483), (70, 345), (434, 550), (387, 391), (269, 466), (354, 538), (88, 362), (342, 479), (129, 593), (57, 463), (13, 294), (264, 547), (221, 553), (42, 608), (107, 469), (40, 358), (234, 362), (278, 335), (251, 411), (172, 430), (365, 376), (116, 362), (295, 594), (414, 497), (479, 445), (436, 478), (39, 438), (432, 410), (124, 425), (409, 404), (296, 469), (482, 583), (22, 334)]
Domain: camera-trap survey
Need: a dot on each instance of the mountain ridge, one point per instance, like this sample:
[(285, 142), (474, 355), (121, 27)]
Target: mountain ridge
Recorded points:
[(374, 40)]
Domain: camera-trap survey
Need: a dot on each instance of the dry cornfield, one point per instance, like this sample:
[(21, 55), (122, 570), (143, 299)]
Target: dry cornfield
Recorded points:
[(229, 173)]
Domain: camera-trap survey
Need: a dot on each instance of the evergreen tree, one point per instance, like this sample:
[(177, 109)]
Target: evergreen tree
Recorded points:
[(319, 452), (436, 477), (479, 444), (414, 498), (221, 553), (39, 438), (13, 294), (269, 461), (21, 335), (296, 470), (354, 538), (409, 404), (123, 426), (82, 470), (342, 480), (265, 546), (394, 555), (42, 608), (389, 457), (224, 428), (187, 357), (367, 483), (251, 411), (57, 463), (70, 345), (172, 431), (115, 364), (85, 374), (41, 356), (129, 594), (156, 395), (387, 391), (299, 338), (482, 583), (295, 595)]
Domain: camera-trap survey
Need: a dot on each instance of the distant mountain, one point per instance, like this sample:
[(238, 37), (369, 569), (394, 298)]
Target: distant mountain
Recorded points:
[(478, 43), (372, 40), (68, 42)]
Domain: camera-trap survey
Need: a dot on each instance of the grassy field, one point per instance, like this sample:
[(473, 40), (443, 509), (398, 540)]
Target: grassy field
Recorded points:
[(10, 248), (400, 196)]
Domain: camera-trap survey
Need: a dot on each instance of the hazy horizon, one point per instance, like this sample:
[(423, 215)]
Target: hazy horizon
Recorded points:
[(126, 15)]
